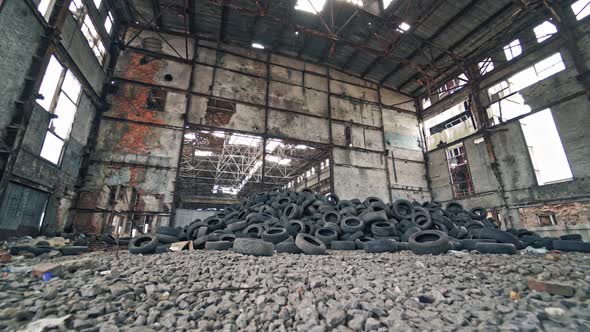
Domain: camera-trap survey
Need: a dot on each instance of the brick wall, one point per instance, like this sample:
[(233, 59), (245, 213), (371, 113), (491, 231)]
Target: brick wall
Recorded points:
[(21, 34), (565, 214)]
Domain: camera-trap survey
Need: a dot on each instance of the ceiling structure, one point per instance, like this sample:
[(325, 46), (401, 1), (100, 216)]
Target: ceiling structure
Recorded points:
[(412, 46)]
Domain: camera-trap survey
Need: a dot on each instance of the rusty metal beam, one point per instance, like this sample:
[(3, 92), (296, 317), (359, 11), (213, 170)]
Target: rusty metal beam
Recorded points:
[(434, 36), (468, 36)]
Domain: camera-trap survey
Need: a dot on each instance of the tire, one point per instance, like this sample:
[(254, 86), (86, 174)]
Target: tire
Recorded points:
[(343, 245), (292, 211), (409, 232), (165, 230), (38, 250), (110, 239), (500, 236), (360, 242), (381, 246), (227, 237), (404, 225), (375, 216), (403, 246), (454, 207), (326, 235), (162, 248), (422, 218), (74, 250), (569, 245), (352, 236), (237, 226), (352, 225), (254, 231), (163, 238), (310, 245), (254, 247), (218, 245), (571, 237), (429, 242), (287, 247), (496, 248), (402, 209), (331, 217), (383, 228), (275, 235), (469, 244), (546, 242), (192, 228), (333, 226), (214, 224), (478, 213), (143, 245)]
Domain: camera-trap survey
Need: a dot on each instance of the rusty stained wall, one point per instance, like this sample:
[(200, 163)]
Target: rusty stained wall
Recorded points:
[(301, 98), (566, 214)]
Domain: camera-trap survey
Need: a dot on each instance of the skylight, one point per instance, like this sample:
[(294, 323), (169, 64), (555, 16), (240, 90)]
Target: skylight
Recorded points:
[(513, 49), (278, 160), (386, 3), (581, 9), (404, 27), (203, 153), (237, 139), (258, 46), (544, 30), (310, 6)]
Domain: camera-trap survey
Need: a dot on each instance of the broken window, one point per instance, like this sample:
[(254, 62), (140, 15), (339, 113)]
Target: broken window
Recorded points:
[(78, 10), (459, 171), (508, 102), (485, 66), (448, 88), (108, 23), (450, 125), (581, 9), (156, 100), (545, 148), (547, 219), (426, 102), (63, 103), (544, 30), (219, 112), (97, 3), (45, 7), (513, 49), (80, 13)]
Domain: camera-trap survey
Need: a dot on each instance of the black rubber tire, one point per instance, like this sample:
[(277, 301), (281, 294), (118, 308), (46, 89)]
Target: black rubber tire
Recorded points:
[(403, 246), (404, 225), (383, 228), (500, 236), (275, 235), (546, 242), (74, 250), (237, 226), (254, 247), (254, 231), (571, 237), (227, 237), (454, 207), (331, 216), (218, 245), (310, 245), (110, 239), (374, 216), (429, 242), (469, 244), (162, 248), (360, 242), (145, 244), (409, 232), (343, 245), (40, 250), (496, 248), (462, 232), (164, 238), (569, 245), (171, 231), (192, 229), (381, 246), (287, 247), (326, 235), (292, 211), (352, 236), (214, 224), (478, 213), (402, 209), (422, 219), (334, 226), (352, 225)]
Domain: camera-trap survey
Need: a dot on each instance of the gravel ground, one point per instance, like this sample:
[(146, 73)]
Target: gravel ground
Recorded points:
[(344, 291)]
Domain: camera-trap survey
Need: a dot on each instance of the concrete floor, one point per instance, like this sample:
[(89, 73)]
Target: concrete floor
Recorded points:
[(344, 291)]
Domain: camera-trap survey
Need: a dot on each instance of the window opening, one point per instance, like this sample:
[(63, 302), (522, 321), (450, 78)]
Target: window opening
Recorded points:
[(544, 31), (459, 171), (156, 100), (545, 148), (513, 49), (64, 91), (486, 66), (547, 219), (581, 9), (108, 23), (97, 3)]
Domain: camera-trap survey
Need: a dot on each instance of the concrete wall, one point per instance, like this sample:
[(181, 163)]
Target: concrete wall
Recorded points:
[(304, 100), (513, 187)]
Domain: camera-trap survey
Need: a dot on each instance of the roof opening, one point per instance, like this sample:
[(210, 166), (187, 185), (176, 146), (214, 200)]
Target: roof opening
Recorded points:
[(403, 27), (310, 6), (258, 46)]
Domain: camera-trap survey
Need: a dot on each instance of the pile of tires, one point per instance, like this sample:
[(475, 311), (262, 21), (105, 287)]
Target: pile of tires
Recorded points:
[(310, 223)]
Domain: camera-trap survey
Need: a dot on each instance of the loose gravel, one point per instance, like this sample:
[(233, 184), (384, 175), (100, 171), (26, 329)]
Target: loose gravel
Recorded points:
[(342, 291)]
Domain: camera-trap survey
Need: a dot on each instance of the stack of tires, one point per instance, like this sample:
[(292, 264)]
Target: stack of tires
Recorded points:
[(306, 222)]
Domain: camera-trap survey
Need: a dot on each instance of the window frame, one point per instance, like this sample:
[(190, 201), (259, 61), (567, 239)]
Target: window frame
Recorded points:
[(94, 40), (59, 91), (471, 188)]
